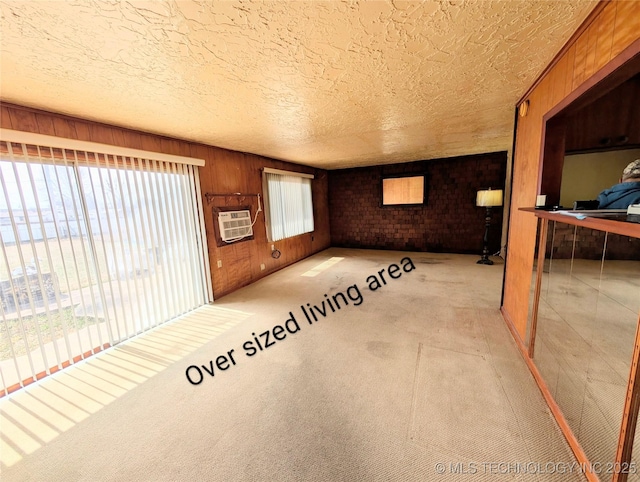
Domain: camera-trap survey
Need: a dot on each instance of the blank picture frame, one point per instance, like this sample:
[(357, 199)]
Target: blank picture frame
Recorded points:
[(404, 190)]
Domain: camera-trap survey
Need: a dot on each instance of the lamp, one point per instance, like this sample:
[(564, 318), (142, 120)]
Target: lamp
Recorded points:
[(488, 198)]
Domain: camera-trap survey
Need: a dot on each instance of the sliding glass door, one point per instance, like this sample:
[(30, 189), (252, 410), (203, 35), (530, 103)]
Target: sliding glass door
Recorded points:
[(94, 249)]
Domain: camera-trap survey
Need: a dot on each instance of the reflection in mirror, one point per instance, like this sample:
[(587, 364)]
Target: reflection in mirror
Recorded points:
[(585, 331), (621, 282), (532, 289), (532, 286), (544, 284)]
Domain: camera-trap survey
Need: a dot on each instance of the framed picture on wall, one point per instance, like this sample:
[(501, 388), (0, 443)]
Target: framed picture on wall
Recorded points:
[(406, 189)]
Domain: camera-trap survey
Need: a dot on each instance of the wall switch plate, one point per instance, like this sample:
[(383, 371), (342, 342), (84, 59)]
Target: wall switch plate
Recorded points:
[(219, 263), (262, 266)]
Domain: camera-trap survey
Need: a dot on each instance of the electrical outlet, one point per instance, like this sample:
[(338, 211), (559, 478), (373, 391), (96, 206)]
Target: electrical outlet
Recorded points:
[(262, 267), (273, 247), (219, 263)]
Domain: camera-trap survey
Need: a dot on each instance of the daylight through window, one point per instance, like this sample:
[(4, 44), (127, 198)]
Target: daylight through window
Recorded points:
[(94, 249), (289, 204)]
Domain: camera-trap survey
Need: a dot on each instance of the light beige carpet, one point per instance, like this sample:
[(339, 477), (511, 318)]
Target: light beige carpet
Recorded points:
[(420, 372)]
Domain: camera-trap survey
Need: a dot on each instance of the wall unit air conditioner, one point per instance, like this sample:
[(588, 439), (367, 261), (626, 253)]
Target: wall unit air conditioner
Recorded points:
[(235, 225)]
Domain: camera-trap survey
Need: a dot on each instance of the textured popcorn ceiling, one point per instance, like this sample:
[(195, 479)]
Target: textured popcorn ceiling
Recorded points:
[(325, 83)]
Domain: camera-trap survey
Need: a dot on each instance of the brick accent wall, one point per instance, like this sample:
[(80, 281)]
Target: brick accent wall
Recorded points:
[(449, 222)]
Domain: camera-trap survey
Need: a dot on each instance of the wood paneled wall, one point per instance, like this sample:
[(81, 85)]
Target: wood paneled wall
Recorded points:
[(224, 172), (230, 172), (611, 31)]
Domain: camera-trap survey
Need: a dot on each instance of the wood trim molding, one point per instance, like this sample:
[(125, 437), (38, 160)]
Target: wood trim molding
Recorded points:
[(623, 67), (22, 137), (572, 40), (618, 70), (600, 224), (287, 173), (629, 415), (544, 229)]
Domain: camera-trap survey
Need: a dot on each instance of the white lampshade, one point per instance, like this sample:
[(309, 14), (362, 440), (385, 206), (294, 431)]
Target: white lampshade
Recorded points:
[(490, 197)]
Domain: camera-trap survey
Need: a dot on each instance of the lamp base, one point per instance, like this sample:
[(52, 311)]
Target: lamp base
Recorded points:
[(484, 259)]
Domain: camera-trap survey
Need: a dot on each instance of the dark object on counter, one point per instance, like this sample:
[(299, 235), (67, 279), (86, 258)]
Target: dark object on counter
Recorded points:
[(592, 204)]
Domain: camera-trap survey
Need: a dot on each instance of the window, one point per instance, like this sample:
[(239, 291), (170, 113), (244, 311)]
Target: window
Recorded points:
[(403, 190), (289, 208), (94, 249)]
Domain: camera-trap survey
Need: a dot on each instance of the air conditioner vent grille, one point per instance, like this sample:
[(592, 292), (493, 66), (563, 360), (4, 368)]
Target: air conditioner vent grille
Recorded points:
[(235, 225)]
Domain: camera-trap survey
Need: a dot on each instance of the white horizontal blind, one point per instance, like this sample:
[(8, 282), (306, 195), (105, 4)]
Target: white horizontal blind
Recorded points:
[(95, 248), (290, 206)]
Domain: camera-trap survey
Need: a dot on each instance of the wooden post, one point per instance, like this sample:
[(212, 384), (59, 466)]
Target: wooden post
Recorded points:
[(542, 248)]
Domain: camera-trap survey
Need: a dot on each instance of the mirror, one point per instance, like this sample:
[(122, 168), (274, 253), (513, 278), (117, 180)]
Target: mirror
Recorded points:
[(587, 317), (622, 280)]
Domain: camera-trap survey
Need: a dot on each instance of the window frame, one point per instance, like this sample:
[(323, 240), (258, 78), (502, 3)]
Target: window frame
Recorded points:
[(267, 201)]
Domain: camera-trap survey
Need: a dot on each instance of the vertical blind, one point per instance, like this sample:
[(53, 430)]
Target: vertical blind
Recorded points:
[(95, 248), (289, 205)]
